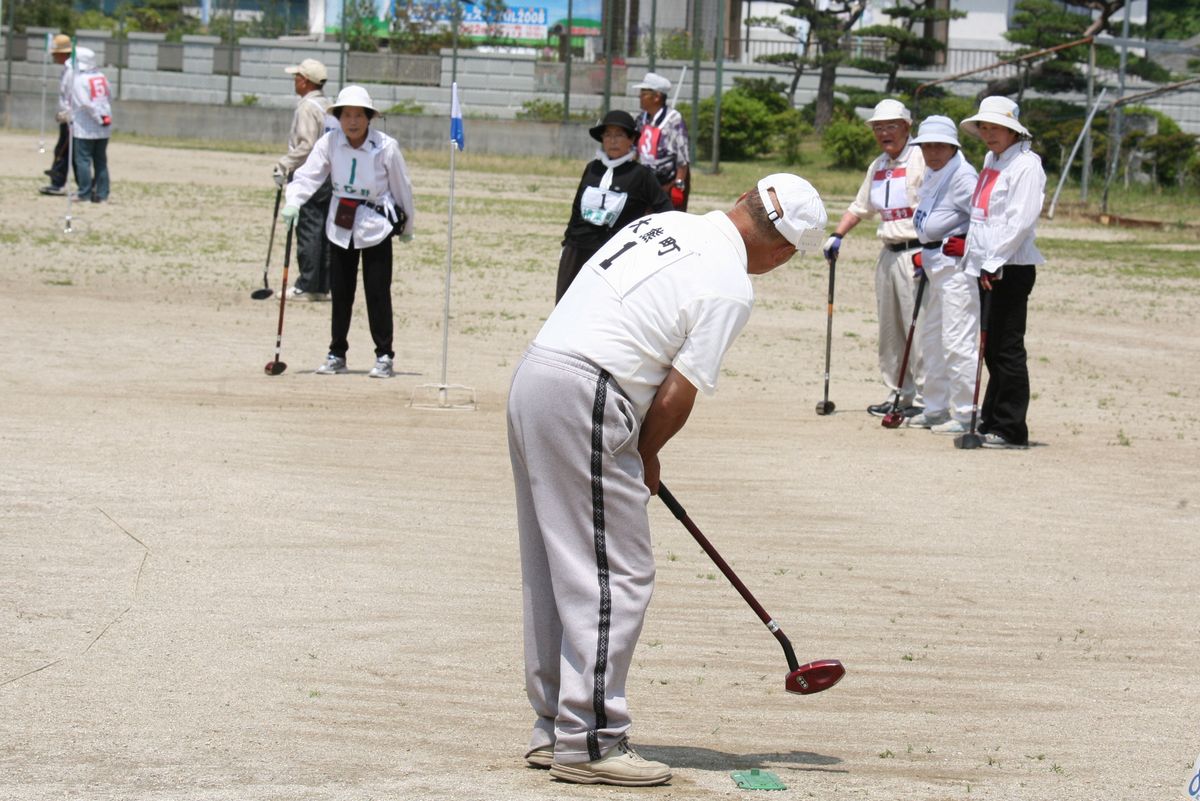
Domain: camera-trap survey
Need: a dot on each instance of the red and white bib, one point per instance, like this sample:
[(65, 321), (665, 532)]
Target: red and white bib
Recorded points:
[(889, 194)]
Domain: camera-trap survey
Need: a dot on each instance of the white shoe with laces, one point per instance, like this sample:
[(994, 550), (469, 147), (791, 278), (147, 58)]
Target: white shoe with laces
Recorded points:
[(621, 767), (333, 365), (382, 368)]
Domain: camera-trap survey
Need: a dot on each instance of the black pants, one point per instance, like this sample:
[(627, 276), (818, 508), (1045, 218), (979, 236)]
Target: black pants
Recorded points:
[(1007, 398), (58, 170), (569, 264), (312, 246), (377, 286)]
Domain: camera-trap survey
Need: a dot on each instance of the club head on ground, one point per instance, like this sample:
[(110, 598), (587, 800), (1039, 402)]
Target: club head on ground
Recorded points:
[(275, 368), (892, 420), (814, 677), (825, 407), (262, 294), (968, 442)]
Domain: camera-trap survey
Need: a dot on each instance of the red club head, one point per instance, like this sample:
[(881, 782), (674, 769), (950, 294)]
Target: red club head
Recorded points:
[(892, 420), (814, 677), (275, 368)]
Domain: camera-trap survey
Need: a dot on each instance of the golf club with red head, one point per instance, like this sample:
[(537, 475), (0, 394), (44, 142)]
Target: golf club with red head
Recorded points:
[(276, 366), (806, 679), (895, 417), (827, 406), (266, 291), (972, 440)]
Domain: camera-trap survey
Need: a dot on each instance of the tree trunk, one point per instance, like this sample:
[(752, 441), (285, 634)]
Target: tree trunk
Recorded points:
[(825, 96)]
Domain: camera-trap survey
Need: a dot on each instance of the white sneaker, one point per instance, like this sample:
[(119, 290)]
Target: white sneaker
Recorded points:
[(928, 419), (621, 766), (332, 366), (951, 427), (297, 294), (382, 368)]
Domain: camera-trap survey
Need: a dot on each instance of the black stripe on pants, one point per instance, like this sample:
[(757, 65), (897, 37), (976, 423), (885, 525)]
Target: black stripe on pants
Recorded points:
[(377, 287), (601, 567), (1006, 401)]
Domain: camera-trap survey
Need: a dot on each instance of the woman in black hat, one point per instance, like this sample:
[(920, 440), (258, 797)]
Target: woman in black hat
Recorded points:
[(615, 190)]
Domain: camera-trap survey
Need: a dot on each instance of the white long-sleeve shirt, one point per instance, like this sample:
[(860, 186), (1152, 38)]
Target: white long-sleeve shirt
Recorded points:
[(944, 210), (90, 98), (310, 122), (373, 172), (890, 190), (1005, 207)]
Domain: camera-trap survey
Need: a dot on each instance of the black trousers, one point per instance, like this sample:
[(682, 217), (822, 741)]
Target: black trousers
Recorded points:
[(312, 246), (377, 286), (569, 264), (1006, 401), (58, 170)]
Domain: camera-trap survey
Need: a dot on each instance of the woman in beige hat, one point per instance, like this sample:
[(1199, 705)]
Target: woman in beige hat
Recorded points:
[(1000, 250)]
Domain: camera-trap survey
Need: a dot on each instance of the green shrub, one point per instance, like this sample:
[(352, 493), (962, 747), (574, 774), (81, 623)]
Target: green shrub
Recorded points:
[(549, 111), (746, 127), (406, 107), (849, 144)]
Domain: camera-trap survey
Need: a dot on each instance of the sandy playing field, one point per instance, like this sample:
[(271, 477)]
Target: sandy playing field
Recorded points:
[(219, 585)]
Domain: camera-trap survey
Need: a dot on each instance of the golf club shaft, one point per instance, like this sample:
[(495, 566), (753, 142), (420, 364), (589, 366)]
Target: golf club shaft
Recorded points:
[(912, 328), (829, 323), (287, 258), (271, 241), (983, 327), (767, 620)]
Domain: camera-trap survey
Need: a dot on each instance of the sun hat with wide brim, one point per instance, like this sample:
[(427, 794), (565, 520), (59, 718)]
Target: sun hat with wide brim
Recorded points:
[(354, 96), (997, 110), (803, 220), (60, 44), (937, 129), (621, 119)]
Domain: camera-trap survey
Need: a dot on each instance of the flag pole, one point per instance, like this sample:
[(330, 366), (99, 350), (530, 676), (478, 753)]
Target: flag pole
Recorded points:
[(442, 389), (457, 142), (42, 131)]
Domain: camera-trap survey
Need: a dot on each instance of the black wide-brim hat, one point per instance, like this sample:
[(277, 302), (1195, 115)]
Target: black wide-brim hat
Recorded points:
[(621, 119)]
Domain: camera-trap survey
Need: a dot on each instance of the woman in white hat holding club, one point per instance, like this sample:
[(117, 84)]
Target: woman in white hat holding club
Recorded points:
[(951, 320), (372, 201), (1005, 207)]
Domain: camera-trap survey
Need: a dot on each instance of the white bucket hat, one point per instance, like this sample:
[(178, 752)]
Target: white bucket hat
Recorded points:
[(937, 129), (354, 96), (890, 110), (803, 220), (998, 111), (655, 82), (310, 68)]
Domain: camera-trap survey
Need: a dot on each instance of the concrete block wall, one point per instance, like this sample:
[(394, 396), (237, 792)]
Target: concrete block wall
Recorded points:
[(492, 85)]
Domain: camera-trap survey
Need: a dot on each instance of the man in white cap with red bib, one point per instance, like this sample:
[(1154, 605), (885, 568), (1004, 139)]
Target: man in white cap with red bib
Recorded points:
[(663, 139), (890, 191), (610, 378)]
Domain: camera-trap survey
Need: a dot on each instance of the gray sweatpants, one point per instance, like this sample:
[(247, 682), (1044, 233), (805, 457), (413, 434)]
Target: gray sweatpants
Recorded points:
[(895, 291), (586, 562)]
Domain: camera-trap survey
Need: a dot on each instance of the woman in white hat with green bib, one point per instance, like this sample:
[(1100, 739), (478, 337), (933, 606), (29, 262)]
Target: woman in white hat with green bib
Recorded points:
[(372, 201), (1000, 250)]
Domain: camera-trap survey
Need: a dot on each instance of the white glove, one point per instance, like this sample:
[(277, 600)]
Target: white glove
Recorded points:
[(62, 116), (280, 178), (832, 245), (290, 215)]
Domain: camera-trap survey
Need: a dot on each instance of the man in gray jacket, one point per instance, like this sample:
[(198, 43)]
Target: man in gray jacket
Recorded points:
[(310, 122)]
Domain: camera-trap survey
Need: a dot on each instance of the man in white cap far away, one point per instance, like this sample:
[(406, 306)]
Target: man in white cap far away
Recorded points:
[(663, 139), (890, 191)]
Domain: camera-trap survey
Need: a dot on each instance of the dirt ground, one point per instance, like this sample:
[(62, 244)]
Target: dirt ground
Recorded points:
[(219, 585)]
